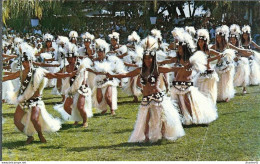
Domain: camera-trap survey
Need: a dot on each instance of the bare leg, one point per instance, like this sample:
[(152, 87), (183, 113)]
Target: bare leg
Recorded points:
[(58, 84), (146, 131), (63, 98), (18, 115), (132, 89), (108, 97), (35, 120), (67, 105), (80, 105), (100, 98)]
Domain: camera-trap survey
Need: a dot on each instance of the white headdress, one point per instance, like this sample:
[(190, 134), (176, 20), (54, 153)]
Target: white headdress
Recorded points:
[(223, 31), (186, 39), (114, 35), (73, 34), (87, 37), (203, 34), (101, 45), (191, 30), (246, 29), (71, 50), (235, 31), (18, 41), (157, 34), (27, 52), (47, 37), (62, 40), (150, 45), (134, 37), (177, 31)]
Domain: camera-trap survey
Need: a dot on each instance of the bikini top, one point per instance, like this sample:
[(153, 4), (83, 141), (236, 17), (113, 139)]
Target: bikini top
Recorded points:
[(151, 79)]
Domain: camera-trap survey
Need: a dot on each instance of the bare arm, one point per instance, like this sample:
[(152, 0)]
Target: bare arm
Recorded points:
[(121, 56), (97, 73), (129, 74), (241, 51), (214, 52), (130, 65), (255, 45), (11, 76), (215, 58), (59, 75), (213, 47), (172, 60), (46, 64), (166, 70)]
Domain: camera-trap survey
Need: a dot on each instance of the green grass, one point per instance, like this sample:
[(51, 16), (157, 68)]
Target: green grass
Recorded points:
[(234, 136)]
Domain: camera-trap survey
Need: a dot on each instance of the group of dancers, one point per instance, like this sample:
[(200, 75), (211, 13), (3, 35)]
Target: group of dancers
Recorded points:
[(180, 82)]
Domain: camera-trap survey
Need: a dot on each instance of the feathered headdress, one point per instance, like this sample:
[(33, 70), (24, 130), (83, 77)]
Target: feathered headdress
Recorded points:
[(177, 31), (71, 50), (18, 41), (62, 40), (150, 45), (48, 37), (87, 37), (73, 35), (235, 31), (101, 45), (203, 34), (191, 30), (186, 39), (134, 37), (157, 34), (223, 31), (246, 29), (114, 35), (26, 52)]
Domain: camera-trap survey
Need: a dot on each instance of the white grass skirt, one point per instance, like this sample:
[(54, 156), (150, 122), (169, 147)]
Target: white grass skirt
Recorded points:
[(163, 113), (47, 122)]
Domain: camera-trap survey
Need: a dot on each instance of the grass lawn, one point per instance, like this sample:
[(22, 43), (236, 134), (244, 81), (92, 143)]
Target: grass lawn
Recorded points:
[(234, 136)]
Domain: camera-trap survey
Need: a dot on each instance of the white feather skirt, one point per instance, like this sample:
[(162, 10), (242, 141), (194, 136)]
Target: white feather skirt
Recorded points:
[(163, 113), (254, 77), (203, 110), (7, 86), (47, 122), (226, 88), (131, 87), (208, 86), (241, 78), (75, 114), (90, 80)]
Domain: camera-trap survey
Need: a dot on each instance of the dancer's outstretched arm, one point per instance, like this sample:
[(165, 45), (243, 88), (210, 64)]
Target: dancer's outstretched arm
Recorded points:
[(129, 74)]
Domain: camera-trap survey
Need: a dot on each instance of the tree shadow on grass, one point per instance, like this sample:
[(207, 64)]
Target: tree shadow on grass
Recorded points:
[(51, 147), (228, 113), (194, 126), (128, 103), (52, 103), (99, 114), (133, 146), (70, 126), (17, 144), (8, 115), (123, 131)]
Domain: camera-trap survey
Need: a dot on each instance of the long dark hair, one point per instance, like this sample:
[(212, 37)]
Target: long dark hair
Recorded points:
[(223, 42), (187, 53), (243, 40), (205, 46), (153, 72)]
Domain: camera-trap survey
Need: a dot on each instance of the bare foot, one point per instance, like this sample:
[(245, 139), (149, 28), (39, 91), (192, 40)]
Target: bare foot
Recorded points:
[(42, 139), (227, 100), (104, 111), (85, 125), (76, 123), (135, 99), (29, 140), (244, 92), (113, 112)]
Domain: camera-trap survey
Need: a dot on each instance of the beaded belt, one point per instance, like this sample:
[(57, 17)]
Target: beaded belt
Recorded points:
[(30, 102), (156, 97), (99, 83), (182, 85)]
